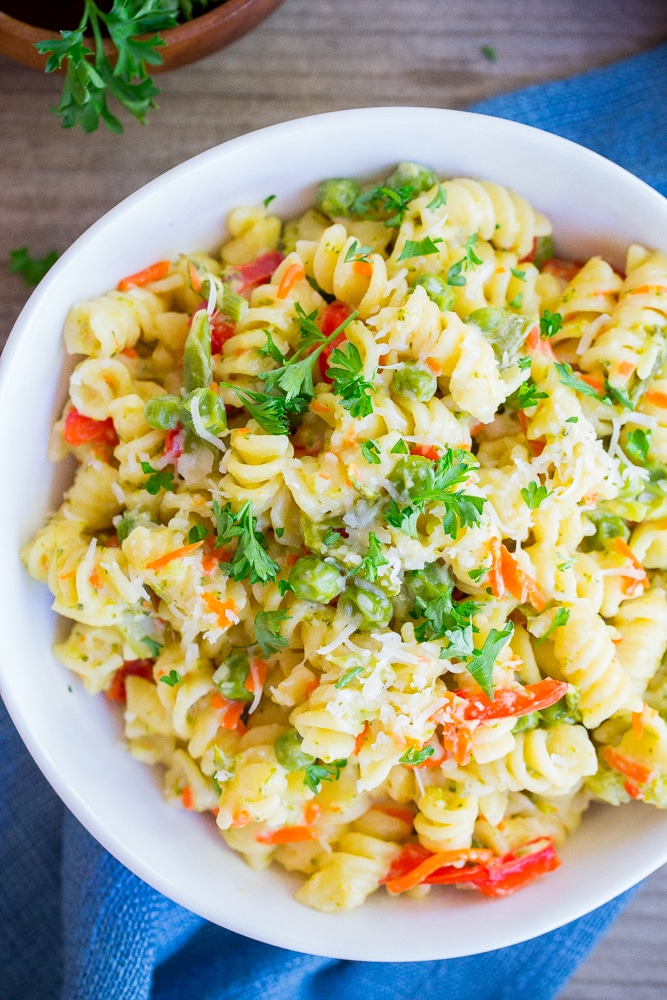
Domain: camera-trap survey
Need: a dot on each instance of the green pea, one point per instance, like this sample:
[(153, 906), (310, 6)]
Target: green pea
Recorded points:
[(487, 318), (289, 753), (566, 709), (337, 196), (371, 603), (526, 722), (505, 331), (412, 175), (163, 412), (414, 382), (544, 251), (313, 579), (607, 527), (429, 583), (412, 475), (438, 291), (231, 675), (211, 411)]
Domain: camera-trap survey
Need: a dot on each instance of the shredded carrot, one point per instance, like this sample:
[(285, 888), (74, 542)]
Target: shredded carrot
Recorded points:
[(293, 273), (624, 550), (477, 427), (187, 798), (537, 345), (94, 579), (225, 610), (152, 273), (520, 585), (286, 835), (595, 381), (318, 407), (311, 811), (656, 398), (256, 674), (439, 860), (361, 739), (495, 574), (434, 366), (195, 280), (649, 290), (241, 818), (625, 368), (211, 558), (457, 740), (364, 268), (231, 711), (425, 451), (130, 352), (631, 769), (174, 554), (634, 791), (312, 686), (396, 812), (637, 724)]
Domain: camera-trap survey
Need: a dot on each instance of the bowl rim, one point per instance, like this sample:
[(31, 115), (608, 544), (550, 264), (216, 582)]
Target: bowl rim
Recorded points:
[(70, 795)]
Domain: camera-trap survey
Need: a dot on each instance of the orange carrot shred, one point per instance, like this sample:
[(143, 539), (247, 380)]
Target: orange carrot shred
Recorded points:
[(152, 273), (286, 835), (293, 273), (187, 798), (174, 554), (631, 769), (656, 398), (364, 268), (439, 860)]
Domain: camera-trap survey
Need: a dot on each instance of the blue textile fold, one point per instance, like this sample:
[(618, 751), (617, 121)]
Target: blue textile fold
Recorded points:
[(76, 925)]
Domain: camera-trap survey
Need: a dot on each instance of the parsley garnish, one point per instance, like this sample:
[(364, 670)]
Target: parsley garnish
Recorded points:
[(524, 363), (284, 587), (271, 350), (153, 645), (197, 533), (400, 448), (372, 561), (270, 412), (345, 367), (466, 263), (91, 76), (403, 518), (173, 677), (370, 451), (157, 480), (357, 253), (267, 201), (519, 275), (267, 634), (573, 381), (439, 199), (461, 509), (550, 324), (483, 660), (572, 420), (419, 248), (534, 494), (381, 200), (489, 52), (349, 677), (250, 559), (525, 396), (637, 445), (331, 537), (315, 774), (31, 269), (414, 756), (516, 301), (560, 618)]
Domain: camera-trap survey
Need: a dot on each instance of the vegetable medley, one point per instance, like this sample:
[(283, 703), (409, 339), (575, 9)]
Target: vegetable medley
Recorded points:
[(368, 533)]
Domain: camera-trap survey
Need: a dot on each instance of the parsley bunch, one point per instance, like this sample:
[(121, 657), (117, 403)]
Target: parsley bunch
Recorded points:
[(250, 559), (461, 509), (91, 77)]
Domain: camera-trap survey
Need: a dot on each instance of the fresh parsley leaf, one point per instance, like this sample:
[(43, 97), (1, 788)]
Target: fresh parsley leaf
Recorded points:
[(31, 269), (284, 587), (469, 260), (400, 448), (381, 200), (331, 537), (403, 518), (419, 248), (267, 201), (482, 662), (197, 533), (524, 363), (561, 617), (267, 634), (157, 479), (439, 199), (566, 564), (270, 350), (550, 324), (279, 532), (637, 445), (371, 451), (269, 411), (615, 395), (454, 276), (568, 378), (315, 774), (349, 677), (357, 253), (478, 574), (489, 52), (153, 645), (572, 420), (516, 302), (534, 494), (250, 560), (369, 565), (345, 368), (519, 275), (172, 678), (525, 396), (413, 757)]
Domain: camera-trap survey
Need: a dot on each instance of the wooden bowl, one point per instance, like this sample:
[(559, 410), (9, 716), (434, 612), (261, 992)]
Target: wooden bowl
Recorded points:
[(184, 44)]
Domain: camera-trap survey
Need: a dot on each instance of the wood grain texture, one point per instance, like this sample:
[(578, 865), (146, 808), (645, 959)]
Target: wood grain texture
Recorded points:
[(311, 56)]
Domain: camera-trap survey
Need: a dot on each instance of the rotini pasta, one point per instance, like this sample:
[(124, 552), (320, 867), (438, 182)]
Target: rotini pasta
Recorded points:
[(367, 533)]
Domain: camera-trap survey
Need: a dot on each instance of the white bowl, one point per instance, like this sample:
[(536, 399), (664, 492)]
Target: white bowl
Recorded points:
[(595, 207)]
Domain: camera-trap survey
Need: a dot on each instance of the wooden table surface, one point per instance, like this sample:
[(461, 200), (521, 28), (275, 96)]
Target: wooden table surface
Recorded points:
[(307, 57)]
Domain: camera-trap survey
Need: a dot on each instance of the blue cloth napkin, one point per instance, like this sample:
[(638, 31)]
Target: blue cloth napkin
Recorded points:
[(76, 925)]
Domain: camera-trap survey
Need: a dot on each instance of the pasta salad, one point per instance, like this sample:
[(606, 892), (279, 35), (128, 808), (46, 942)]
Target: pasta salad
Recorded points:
[(367, 533)]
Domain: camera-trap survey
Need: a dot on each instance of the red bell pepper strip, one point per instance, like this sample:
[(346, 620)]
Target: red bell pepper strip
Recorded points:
[(131, 668), (518, 868), (79, 429), (332, 317), (256, 272)]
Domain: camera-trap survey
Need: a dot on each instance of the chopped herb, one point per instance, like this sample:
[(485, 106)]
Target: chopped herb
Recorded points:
[(31, 269), (284, 586), (478, 574), (349, 677), (345, 368), (454, 276), (519, 275), (483, 660), (413, 757), (525, 396), (172, 678), (157, 479), (197, 533), (466, 263), (516, 302), (566, 564), (372, 561), (550, 324), (400, 448), (371, 451), (279, 532), (331, 537), (419, 248), (267, 634), (250, 559), (270, 412), (270, 350), (403, 518), (573, 381), (614, 395), (153, 645), (267, 201), (357, 253), (383, 200), (489, 52), (315, 774), (637, 445), (572, 420), (439, 199), (560, 618), (534, 494), (524, 363)]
